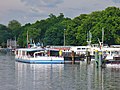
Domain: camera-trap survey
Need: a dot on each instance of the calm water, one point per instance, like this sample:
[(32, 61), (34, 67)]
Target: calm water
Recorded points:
[(22, 76)]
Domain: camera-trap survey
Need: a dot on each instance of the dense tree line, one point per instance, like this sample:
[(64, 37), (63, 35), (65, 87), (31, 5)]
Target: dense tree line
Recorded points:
[(51, 31)]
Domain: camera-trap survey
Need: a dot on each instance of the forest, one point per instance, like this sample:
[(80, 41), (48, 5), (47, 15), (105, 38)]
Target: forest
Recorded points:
[(51, 31)]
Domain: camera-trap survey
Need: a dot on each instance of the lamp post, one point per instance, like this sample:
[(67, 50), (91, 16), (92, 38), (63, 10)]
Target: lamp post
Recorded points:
[(64, 37)]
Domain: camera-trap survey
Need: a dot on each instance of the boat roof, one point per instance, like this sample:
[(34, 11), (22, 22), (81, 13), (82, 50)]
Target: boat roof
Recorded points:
[(52, 49), (36, 49), (30, 49)]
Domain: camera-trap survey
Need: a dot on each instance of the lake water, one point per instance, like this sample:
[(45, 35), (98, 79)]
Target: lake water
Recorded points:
[(22, 76)]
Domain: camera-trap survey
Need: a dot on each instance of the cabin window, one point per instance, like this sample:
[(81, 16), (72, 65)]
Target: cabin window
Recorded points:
[(54, 53), (23, 53), (30, 54), (83, 48), (16, 52), (78, 48)]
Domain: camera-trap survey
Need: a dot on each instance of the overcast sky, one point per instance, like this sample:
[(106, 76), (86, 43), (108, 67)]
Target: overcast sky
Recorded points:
[(29, 11)]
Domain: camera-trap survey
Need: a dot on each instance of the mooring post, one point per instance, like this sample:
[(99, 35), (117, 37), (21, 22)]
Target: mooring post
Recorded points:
[(73, 57), (88, 57), (96, 57), (100, 58)]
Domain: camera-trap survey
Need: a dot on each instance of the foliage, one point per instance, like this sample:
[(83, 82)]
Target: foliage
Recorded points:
[(4, 35), (51, 31), (14, 26)]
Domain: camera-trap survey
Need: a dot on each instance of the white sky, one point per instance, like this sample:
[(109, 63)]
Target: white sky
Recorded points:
[(29, 11)]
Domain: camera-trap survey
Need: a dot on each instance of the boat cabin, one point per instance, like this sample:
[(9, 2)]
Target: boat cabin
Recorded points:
[(31, 52)]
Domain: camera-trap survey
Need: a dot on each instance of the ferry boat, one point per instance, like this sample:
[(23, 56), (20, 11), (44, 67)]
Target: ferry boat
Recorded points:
[(39, 56)]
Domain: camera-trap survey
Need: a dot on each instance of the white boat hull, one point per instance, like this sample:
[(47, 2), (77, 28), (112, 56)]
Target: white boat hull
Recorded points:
[(41, 60)]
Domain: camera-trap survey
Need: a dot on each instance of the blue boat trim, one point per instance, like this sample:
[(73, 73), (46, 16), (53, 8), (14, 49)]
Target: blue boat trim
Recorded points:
[(42, 61)]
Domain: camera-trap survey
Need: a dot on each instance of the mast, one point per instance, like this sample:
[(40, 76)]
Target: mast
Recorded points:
[(27, 38), (15, 43), (89, 36), (101, 43), (102, 36)]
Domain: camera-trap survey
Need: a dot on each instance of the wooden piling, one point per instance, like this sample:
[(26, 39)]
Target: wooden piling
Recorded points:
[(73, 57), (96, 57), (88, 57)]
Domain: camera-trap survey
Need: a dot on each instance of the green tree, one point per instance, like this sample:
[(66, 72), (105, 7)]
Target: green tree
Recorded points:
[(4, 35), (14, 26), (51, 30)]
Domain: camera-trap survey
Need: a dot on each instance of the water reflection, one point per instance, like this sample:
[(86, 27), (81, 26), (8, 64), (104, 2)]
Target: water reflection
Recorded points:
[(107, 78), (7, 69), (66, 77), (37, 76)]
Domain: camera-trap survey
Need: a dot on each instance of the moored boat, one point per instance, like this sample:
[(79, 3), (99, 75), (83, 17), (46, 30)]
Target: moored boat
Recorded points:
[(38, 56)]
